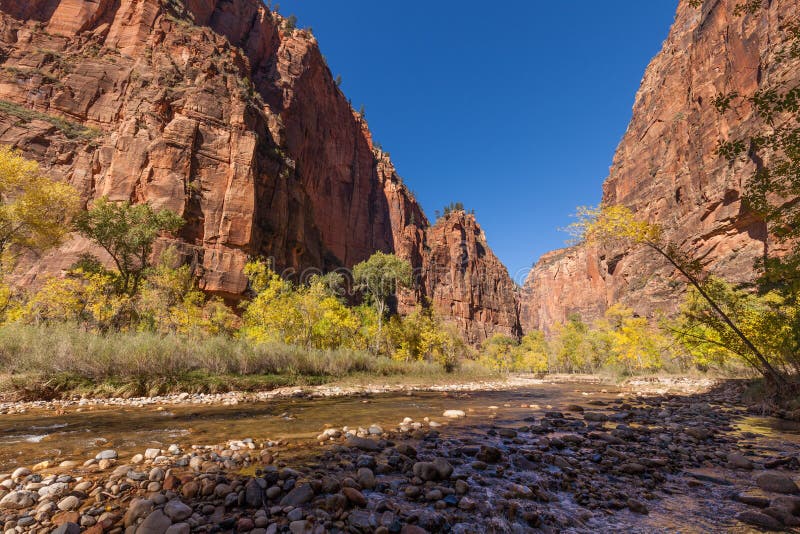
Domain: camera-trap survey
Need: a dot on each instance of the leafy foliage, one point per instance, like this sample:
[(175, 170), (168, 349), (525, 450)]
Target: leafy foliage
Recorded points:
[(421, 336), (34, 210), (127, 232), (379, 278), (309, 316), (620, 341), (771, 320), (618, 226)]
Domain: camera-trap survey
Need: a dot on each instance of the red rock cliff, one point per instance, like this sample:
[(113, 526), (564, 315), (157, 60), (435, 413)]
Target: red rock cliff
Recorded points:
[(464, 279), (666, 168), (220, 112)]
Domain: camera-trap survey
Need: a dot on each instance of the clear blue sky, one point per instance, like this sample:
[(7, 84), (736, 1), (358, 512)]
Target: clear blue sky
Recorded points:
[(514, 108)]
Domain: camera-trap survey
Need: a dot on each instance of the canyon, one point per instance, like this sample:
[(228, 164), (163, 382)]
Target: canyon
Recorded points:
[(227, 114), (667, 171)]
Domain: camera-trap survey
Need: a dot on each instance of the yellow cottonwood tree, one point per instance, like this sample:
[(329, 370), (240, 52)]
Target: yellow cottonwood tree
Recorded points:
[(308, 315), (33, 208)]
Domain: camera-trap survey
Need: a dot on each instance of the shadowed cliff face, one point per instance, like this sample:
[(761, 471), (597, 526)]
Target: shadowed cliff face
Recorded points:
[(667, 170), (218, 111)]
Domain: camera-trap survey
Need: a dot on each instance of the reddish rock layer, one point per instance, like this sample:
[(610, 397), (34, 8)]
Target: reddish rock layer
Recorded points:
[(666, 168), (464, 279), (218, 111)]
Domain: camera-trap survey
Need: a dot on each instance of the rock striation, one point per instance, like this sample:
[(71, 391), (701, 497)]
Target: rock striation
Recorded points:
[(223, 112), (667, 170), (464, 279)]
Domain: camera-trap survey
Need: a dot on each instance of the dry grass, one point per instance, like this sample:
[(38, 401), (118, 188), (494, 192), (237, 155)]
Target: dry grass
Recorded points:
[(58, 360)]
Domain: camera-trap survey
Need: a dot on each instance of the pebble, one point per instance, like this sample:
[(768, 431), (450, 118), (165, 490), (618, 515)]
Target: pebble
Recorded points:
[(108, 454), (69, 503)]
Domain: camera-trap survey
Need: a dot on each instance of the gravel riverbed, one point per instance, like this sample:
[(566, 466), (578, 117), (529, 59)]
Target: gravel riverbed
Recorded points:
[(645, 461)]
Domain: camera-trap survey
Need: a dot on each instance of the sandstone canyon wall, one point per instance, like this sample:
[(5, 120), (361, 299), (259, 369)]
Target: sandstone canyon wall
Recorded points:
[(220, 111), (666, 168)]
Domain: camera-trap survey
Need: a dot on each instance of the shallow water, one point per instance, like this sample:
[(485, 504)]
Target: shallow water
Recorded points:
[(45, 435), (685, 505)]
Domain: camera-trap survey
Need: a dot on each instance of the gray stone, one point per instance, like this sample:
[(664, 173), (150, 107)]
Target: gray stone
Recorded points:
[(366, 478), (16, 500), (177, 511), (109, 454), (179, 528), (253, 494), (69, 503), (364, 444), (155, 523), (751, 517), (138, 509), (739, 461), (54, 490), (298, 496)]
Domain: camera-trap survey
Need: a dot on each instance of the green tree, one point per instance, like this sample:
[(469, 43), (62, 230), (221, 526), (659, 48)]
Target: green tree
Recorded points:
[(379, 277), (34, 209), (127, 232)]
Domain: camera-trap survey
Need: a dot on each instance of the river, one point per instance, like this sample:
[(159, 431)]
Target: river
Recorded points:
[(692, 488)]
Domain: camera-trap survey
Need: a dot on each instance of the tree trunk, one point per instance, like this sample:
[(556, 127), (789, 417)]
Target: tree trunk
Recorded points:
[(771, 372)]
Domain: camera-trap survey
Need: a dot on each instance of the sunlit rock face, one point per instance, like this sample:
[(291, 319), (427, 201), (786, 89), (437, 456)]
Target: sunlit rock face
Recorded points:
[(218, 111), (667, 170)]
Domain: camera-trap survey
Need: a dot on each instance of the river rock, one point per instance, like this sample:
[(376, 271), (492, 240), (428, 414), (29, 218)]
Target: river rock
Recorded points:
[(698, 432), (67, 528), (179, 528), (637, 506), (108, 454), (776, 482), (787, 502), (245, 524), (595, 417), (454, 414), (362, 521), (365, 444), (489, 454), (354, 496), (298, 496), (366, 478), (19, 473), (177, 511), (54, 490), (253, 494), (739, 461), (16, 500), (155, 523), (426, 471), (758, 519), (71, 502), (138, 509)]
